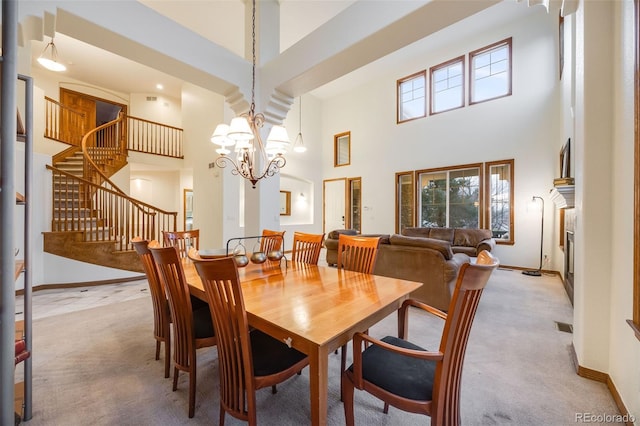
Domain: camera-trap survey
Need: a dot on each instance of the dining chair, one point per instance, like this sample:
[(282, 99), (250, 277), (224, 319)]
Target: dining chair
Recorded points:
[(356, 253), (405, 375), (248, 359), (161, 313), (306, 247), (183, 240), (271, 241), (192, 328)]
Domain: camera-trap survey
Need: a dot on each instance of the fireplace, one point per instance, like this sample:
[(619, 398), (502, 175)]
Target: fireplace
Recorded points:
[(569, 251), (568, 265)]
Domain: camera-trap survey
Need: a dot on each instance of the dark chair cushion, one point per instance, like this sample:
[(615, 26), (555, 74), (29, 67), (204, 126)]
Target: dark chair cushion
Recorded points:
[(399, 374), (270, 355), (203, 323), (198, 303)]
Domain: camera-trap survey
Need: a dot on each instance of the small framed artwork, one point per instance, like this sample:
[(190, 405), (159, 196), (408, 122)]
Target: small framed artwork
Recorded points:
[(565, 160), (285, 203), (342, 149)]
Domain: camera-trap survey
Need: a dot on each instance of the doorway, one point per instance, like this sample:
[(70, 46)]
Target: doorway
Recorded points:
[(97, 111), (342, 204)]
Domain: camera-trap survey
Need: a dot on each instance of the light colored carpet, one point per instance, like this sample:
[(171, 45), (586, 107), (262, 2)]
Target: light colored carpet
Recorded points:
[(97, 367)]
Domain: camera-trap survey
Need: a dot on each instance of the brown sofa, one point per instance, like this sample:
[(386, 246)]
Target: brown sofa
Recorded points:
[(426, 260), (462, 240)]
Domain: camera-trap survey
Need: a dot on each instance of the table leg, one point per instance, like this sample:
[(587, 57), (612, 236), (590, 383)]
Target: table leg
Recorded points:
[(319, 385)]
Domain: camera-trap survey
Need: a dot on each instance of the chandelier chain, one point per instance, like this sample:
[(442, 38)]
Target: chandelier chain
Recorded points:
[(253, 52)]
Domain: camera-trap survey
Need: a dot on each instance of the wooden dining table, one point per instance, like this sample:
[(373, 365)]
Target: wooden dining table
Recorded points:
[(314, 309)]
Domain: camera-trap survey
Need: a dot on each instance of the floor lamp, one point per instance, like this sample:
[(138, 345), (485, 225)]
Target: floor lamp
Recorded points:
[(538, 272)]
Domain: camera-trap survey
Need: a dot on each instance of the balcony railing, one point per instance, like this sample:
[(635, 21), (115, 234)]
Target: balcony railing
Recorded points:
[(67, 125)]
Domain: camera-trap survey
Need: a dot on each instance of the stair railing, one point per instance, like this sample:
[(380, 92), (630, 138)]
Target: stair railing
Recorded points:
[(62, 123), (67, 125), (154, 138), (104, 214)]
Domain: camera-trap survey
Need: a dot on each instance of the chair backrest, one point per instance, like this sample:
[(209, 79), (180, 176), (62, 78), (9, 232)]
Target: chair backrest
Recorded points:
[(158, 296), (471, 281), (172, 276), (271, 240), (356, 253), (224, 294), (306, 247), (183, 240)]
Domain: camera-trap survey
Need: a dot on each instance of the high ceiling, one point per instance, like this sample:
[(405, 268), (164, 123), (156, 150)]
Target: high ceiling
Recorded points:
[(222, 21)]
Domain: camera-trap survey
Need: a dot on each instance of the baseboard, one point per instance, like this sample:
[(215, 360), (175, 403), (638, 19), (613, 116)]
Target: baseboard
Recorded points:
[(599, 376), (82, 284), (520, 268)]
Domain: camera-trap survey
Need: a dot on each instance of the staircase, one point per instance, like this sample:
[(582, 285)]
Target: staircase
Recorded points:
[(93, 220)]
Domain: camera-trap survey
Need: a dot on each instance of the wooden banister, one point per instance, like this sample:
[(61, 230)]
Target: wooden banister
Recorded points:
[(104, 214)]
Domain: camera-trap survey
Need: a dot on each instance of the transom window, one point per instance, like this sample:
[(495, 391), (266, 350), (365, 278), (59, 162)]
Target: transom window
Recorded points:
[(490, 72), (447, 86), (412, 97)]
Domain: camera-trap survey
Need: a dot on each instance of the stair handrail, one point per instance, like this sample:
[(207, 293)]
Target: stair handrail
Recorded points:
[(89, 161), (124, 232), (52, 127)]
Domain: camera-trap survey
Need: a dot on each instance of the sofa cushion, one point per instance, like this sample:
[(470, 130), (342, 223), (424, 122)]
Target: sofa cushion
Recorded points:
[(444, 234), (470, 237), (416, 232), (469, 251), (336, 232), (439, 245)]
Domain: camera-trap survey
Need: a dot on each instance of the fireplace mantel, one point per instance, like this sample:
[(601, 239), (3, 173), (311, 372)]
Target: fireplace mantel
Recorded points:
[(563, 196)]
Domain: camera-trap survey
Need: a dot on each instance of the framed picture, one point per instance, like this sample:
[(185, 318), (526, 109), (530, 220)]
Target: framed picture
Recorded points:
[(342, 149), (285, 203), (565, 160)]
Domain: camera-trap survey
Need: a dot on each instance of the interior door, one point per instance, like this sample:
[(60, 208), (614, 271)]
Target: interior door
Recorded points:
[(334, 204), (71, 129)]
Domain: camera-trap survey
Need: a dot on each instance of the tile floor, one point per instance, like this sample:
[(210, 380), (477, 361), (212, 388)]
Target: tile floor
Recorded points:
[(47, 303)]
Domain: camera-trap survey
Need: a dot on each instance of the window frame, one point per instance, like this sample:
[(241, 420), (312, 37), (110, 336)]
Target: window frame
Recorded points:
[(399, 83), (506, 42), (479, 166), (487, 194), (432, 92), (336, 149), (400, 175)]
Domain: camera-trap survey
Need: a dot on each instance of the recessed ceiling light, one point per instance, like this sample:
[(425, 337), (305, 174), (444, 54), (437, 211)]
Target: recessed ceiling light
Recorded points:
[(159, 86)]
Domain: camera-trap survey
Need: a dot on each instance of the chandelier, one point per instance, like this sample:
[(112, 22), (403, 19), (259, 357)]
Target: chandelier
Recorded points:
[(254, 161)]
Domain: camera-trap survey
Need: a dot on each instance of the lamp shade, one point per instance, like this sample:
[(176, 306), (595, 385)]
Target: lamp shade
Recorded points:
[(239, 130), (298, 145), (219, 136), (49, 58), (278, 141)]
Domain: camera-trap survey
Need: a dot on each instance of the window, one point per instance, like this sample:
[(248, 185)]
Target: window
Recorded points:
[(342, 149), (412, 102), (405, 201), (467, 196), (450, 198), (490, 72), (500, 200), (447, 86)]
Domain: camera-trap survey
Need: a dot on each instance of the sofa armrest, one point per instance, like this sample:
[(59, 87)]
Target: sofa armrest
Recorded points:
[(486, 244)]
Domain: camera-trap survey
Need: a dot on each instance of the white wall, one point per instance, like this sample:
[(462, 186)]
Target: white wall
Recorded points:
[(524, 126), (623, 347)]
